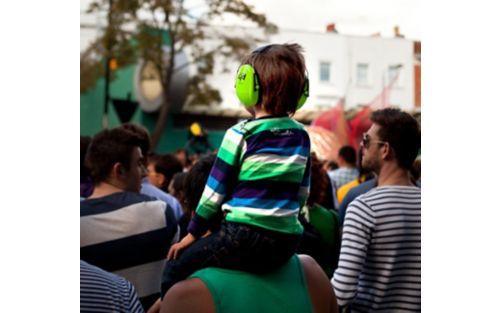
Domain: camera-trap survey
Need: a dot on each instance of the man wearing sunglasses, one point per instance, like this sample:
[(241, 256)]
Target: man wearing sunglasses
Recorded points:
[(379, 264)]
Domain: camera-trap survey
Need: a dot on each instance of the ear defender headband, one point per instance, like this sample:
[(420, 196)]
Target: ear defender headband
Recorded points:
[(248, 88)]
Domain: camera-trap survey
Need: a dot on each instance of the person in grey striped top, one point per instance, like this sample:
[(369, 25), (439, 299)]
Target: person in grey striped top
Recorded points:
[(379, 263), (101, 291)]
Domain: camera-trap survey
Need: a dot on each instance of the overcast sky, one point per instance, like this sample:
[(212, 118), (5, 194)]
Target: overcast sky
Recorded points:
[(352, 17)]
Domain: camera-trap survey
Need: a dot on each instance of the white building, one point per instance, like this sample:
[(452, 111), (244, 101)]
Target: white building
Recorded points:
[(340, 65), (353, 67)]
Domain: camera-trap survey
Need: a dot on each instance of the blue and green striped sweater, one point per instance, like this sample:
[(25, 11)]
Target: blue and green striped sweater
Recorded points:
[(261, 176)]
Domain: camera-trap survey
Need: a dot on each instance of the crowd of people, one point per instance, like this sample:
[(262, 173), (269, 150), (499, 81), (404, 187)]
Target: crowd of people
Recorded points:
[(259, 225)]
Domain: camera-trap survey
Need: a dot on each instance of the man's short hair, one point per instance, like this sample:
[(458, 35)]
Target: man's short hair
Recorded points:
[(348, 154), (281, 72), (401, 131), (107, 148), (142, 133)]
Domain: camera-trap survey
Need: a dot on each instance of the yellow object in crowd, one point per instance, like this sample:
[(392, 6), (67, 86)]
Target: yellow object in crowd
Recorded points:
[(113, 64), (195, 129), (342, 191)]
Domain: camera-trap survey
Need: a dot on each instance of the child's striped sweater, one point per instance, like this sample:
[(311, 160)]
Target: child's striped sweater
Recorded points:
[(261, 176)]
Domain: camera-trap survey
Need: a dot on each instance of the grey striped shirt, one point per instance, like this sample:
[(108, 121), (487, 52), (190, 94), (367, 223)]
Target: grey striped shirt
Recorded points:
[(379, 264), (101, 291)]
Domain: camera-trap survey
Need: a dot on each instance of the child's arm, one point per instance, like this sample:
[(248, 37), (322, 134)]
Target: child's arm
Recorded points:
[(184, 243), (222, 178), (175, 248)]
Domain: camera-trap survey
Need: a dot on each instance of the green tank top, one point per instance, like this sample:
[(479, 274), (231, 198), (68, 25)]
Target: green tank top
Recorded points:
[(326, 222), (284, 290)]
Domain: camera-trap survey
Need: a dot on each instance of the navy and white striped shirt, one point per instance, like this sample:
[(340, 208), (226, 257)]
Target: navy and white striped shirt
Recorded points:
[(128, 234), (379, 264), (101, 291)]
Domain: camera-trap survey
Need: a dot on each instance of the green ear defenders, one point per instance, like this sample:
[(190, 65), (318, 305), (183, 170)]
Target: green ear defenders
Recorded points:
[(248, 88)]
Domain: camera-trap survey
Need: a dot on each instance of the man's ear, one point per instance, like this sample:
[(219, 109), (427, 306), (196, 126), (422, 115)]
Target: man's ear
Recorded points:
[(387, 152), (117, 171)]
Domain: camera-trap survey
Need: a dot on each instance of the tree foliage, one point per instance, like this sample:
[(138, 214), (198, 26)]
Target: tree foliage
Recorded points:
[(141, 29)]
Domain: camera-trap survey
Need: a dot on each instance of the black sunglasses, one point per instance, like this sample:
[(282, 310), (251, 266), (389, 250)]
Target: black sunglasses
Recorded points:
[(366, 141)]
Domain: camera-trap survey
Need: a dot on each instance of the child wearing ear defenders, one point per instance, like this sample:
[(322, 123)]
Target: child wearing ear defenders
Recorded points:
[(260, 178)]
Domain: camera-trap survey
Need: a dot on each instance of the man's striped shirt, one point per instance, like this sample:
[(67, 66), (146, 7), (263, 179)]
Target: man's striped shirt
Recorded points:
[(379, 264), (261, 176), (101, 291), (128, 234)]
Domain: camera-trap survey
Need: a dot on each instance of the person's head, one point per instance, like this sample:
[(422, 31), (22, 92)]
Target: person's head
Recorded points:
[(176, 187), (330, 165), (281, 73), (347, 156), (319, 182), (84, 144), (183, 157), (393, 136), (114, 156), (415, 170), (195, 180), (161, 169), (143, 134)]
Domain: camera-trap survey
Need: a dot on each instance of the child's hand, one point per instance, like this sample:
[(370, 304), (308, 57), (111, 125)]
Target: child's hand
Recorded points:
[(174, 249), (208, 233)]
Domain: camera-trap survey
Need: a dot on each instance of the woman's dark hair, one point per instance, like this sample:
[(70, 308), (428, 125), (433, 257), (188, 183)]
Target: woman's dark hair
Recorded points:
[(168, 165), (319, 184), (178, 186), (195, 180)]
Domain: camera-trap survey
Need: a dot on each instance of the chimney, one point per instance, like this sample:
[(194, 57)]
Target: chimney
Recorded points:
[(330, 28), (397, 34)]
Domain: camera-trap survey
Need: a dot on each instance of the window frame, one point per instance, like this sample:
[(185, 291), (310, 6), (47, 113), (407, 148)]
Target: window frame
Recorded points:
[(367, 83), (329, 64)]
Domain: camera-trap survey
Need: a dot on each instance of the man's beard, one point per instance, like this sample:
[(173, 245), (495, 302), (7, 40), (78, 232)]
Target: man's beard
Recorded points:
[(370, 165)]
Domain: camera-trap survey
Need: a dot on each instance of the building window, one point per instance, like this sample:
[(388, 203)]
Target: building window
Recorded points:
[(393, 71), (324, 72), (362, 74)]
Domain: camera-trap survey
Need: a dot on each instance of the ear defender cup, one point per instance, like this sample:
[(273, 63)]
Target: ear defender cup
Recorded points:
[(305, 93), (247, 85)]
